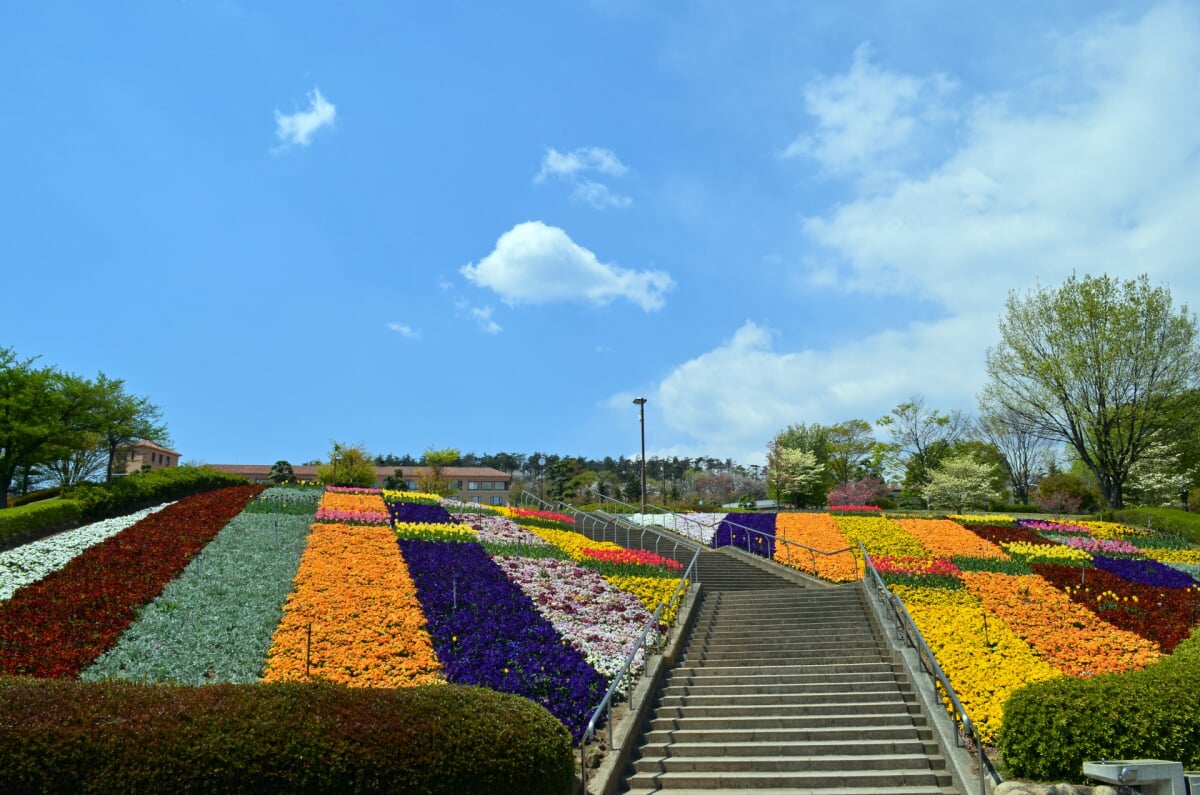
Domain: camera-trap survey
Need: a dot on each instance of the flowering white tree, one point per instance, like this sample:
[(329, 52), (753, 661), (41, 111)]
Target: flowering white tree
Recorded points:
[(793, 472), (959, 483)]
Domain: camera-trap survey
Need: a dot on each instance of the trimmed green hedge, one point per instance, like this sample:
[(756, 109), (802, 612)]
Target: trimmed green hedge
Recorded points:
[(141, 490), (37, 520), (83, 737), (1051, 728), (1170, 520), (34, 496)]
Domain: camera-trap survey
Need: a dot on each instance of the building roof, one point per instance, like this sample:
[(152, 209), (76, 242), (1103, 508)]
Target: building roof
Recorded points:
[(146, 444), (308, 472)]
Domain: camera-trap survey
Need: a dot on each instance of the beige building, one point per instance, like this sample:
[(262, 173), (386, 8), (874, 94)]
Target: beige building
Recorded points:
[(483, 485), (142, 455)]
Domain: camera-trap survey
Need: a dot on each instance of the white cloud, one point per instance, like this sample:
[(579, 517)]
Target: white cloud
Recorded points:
[(1101, 174), (536, 264), (1096, 170), (298, 128), (404, 330), (866, 113), (573, 168), (482, 315)]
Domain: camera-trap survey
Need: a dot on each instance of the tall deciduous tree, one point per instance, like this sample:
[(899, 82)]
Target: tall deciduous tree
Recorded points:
[(42, 412), (434, 480), (349, 465), (127, 418), (959, 482), (811, 438), (1100, 364), (1026, 454), (794, 474), (850, 446), (922, 437)]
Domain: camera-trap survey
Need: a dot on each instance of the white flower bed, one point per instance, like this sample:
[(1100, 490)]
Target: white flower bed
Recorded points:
[(601, 619), (31, 562)]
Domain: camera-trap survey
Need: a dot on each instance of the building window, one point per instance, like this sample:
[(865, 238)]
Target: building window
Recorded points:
[(458, 485), (501, 487), (473, 485), (497, 500), (411, 484), (475, 500), (486, 485)]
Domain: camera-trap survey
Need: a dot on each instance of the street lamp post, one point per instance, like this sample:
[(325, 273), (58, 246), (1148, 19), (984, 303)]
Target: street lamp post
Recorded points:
[(542, 476), (641, 404)]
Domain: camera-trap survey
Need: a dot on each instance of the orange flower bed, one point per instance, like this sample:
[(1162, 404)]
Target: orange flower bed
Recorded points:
[(368, 629), (1067, 635), (353, 503), (947, 539), (819, 531)]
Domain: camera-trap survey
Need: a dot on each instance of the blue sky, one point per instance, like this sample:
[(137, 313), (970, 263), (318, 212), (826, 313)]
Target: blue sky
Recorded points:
[(490, 226)]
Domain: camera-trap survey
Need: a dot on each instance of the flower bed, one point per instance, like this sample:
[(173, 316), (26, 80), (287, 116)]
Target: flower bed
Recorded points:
[(983, 657), (214, 622), (1162, 615), (1046, 553), (752, 532), (819, 531), (631, 562), (1105, 546), (420, 513), (927, 572), (1112, 529), (700, 527), (354, 593), (499, 530), (29, 563), (425, 497), (1146, 572), (1001, 534), (487, 632), (854, 509), (944, 538), (880, 536), (602, 621), (435, 531), (652, 591), (353, 506), (1065, 634), (55, 627)]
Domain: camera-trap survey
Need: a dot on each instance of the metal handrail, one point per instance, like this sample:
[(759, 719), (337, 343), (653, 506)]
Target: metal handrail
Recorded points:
[(904, 621), (622, 676)]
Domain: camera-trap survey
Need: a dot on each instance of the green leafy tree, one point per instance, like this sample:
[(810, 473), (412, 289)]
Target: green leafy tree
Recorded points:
[(1101, 365), (348, 465), (282, 472), (70, 467), (1064, 492), (960, 482), (850, 445), (433, 480), (127, 419), (42, 413)]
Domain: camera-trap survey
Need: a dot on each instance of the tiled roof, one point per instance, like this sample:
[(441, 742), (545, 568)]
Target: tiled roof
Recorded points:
[(257, 471), (146, 444)]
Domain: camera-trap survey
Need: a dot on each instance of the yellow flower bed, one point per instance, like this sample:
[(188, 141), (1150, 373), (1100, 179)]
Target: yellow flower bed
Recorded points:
[(985, 666), (391, 495), (1064, 633), (571, 542), (947, 539), (1112, 529), (368, 629), (1045, 553), (819, 531), (1191, 556), (436, 531), (651, 592), (881, 536)]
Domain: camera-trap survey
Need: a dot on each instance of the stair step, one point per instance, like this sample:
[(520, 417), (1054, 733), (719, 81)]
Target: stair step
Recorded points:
[(862, 747), (757, 722), (791, 763), (754, 779)]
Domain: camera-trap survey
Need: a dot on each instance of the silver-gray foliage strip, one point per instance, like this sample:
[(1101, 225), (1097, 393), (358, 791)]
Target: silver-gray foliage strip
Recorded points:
[(215, 621)]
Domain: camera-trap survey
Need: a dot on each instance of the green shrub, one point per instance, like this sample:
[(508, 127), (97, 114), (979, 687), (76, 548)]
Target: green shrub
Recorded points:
[(141, 490), (37, 520), (35, 496), (1051, 728), (84, 737)]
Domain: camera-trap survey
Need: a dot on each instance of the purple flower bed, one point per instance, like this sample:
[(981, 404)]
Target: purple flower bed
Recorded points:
[(1146, 572), (419, 513), (760, 543), (487, 632)]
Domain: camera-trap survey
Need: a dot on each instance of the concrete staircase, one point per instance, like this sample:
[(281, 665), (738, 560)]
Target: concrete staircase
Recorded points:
[(787, 690)]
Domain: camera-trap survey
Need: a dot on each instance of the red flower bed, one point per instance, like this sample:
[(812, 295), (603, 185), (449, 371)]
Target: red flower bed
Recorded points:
[(1006, 534), (636, 557), (55, 627), (1163, 615)]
